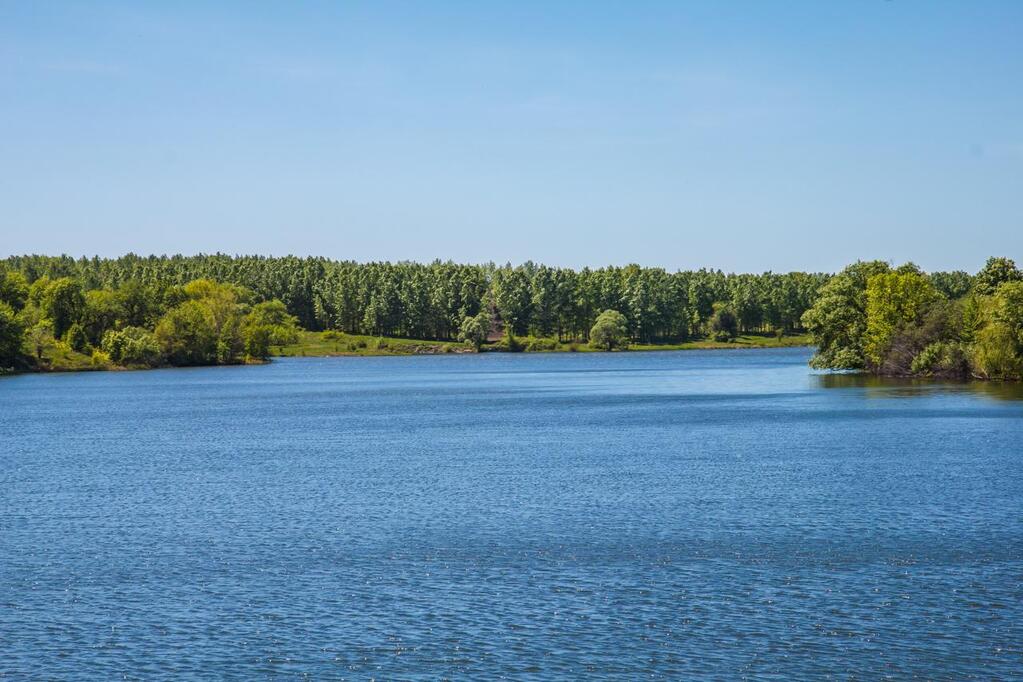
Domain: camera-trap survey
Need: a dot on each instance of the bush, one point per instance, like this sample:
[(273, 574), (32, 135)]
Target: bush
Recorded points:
[(724, 325), (100, 359), (841, 358), (12, 331), (257, 341), (942, 359), (510, 343), (473, 330), (381, 344), (541, 344), (609, 331), (132, 346), (76, 338), (362, 343), (187, 335), (994, 353)]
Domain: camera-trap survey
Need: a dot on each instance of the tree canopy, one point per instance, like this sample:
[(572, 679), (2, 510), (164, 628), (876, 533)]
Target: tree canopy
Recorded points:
[(907, 323), (223, 309), (610, 331)]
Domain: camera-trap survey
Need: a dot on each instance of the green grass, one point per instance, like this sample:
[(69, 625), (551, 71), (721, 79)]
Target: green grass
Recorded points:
[(745, 341), (312, 344), (58, 357)]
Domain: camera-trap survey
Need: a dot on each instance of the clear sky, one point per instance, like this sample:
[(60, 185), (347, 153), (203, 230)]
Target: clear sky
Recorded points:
[(742, 135)]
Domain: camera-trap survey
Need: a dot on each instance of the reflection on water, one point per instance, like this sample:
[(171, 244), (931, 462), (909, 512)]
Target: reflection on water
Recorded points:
[(900, 387)]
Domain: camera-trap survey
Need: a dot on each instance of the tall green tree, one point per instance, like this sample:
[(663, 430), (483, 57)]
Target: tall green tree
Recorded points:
[(12, 334), (894, 300), (996, 272), (13, 289), (474, 330), (838, 319), (63, 302), (187, 334), (610, 331)]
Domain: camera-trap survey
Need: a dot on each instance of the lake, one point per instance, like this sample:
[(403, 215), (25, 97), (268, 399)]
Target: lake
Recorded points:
[(721, 514)]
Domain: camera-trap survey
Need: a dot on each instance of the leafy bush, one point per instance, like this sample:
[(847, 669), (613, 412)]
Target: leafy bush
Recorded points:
[(994, 353), (941, 358), (509, 342), (473, 330), (76, 338), (11, 333), (724, 325), (541, 344), (132, 346), (609, 331)]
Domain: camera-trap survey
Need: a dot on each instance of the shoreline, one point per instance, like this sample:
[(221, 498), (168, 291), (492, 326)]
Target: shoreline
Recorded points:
[(312, 345), (556, 351)]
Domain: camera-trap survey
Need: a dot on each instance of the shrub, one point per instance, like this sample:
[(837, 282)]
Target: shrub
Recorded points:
[(510, 343), (257, 341), (609, 331), (724, 325), (132, 346), (76, 338), (994, 355), (941, 358), (541, 344), (12, 331), (473, 331), (100, 359)]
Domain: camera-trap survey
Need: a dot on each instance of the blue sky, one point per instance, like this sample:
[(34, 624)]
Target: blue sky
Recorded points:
[(742, 135)]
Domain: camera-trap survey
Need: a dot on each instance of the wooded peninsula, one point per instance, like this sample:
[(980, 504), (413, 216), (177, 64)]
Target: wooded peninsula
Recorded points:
[(62, 313)]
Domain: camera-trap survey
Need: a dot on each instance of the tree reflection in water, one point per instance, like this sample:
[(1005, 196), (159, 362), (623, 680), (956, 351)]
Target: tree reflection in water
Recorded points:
[(896, 387)]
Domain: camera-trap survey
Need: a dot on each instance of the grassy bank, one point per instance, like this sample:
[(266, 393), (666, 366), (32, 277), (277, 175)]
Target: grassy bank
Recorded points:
[(58, 357), (312, 344)]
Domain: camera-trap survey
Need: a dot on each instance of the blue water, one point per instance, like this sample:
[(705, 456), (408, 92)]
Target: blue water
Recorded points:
[(716, 514)]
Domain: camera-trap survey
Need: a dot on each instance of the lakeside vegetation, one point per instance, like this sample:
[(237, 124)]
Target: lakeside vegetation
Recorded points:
[(60, 313), (321, 344), (903, 322), (216, 309)]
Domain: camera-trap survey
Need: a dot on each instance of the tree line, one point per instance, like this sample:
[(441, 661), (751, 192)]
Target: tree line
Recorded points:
[(219, 308), (904, 322), (431, 301), (137, 324)]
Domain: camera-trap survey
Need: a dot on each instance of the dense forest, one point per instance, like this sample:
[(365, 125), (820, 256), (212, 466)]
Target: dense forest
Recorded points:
[(219, 309), (903, 322), (222, 309)]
